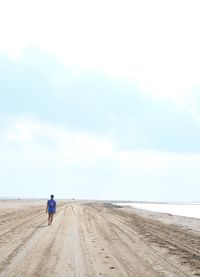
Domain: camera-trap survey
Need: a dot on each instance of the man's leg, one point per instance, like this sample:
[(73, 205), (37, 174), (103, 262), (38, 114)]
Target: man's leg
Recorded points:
[(50, 218)]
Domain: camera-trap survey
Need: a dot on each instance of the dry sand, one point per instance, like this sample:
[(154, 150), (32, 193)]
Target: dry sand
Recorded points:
[(95, 239)]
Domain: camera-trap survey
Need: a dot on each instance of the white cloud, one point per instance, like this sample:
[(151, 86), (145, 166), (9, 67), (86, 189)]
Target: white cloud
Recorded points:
[(40, 137), (143, 160), (37, 157), (155, 43)]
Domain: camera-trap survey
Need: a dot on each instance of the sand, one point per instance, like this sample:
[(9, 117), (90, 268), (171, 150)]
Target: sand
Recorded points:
[(95, 239)]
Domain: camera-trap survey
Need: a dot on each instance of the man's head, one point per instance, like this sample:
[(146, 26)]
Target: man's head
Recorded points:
[(52, 196)]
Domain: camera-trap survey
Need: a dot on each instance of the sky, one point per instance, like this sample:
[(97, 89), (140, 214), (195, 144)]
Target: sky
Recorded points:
[(100, 99)]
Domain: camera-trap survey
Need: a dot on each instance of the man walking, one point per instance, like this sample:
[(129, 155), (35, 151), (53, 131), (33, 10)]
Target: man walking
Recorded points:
[(51, 209)]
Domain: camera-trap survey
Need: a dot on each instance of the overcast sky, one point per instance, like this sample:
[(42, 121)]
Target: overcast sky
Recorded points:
[(100, 99)]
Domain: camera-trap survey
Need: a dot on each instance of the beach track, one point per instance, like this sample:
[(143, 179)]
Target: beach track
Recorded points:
[(94, 239)]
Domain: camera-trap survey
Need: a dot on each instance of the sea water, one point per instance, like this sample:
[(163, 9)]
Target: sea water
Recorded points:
[(186, 209)]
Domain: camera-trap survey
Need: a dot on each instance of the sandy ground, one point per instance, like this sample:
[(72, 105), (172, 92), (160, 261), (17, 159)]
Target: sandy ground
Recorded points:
[(94, 239)]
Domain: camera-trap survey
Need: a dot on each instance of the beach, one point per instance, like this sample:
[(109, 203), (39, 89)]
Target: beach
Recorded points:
[(95, 239)]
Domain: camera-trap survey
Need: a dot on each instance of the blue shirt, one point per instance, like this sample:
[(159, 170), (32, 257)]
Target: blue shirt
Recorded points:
[(51, 206)]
